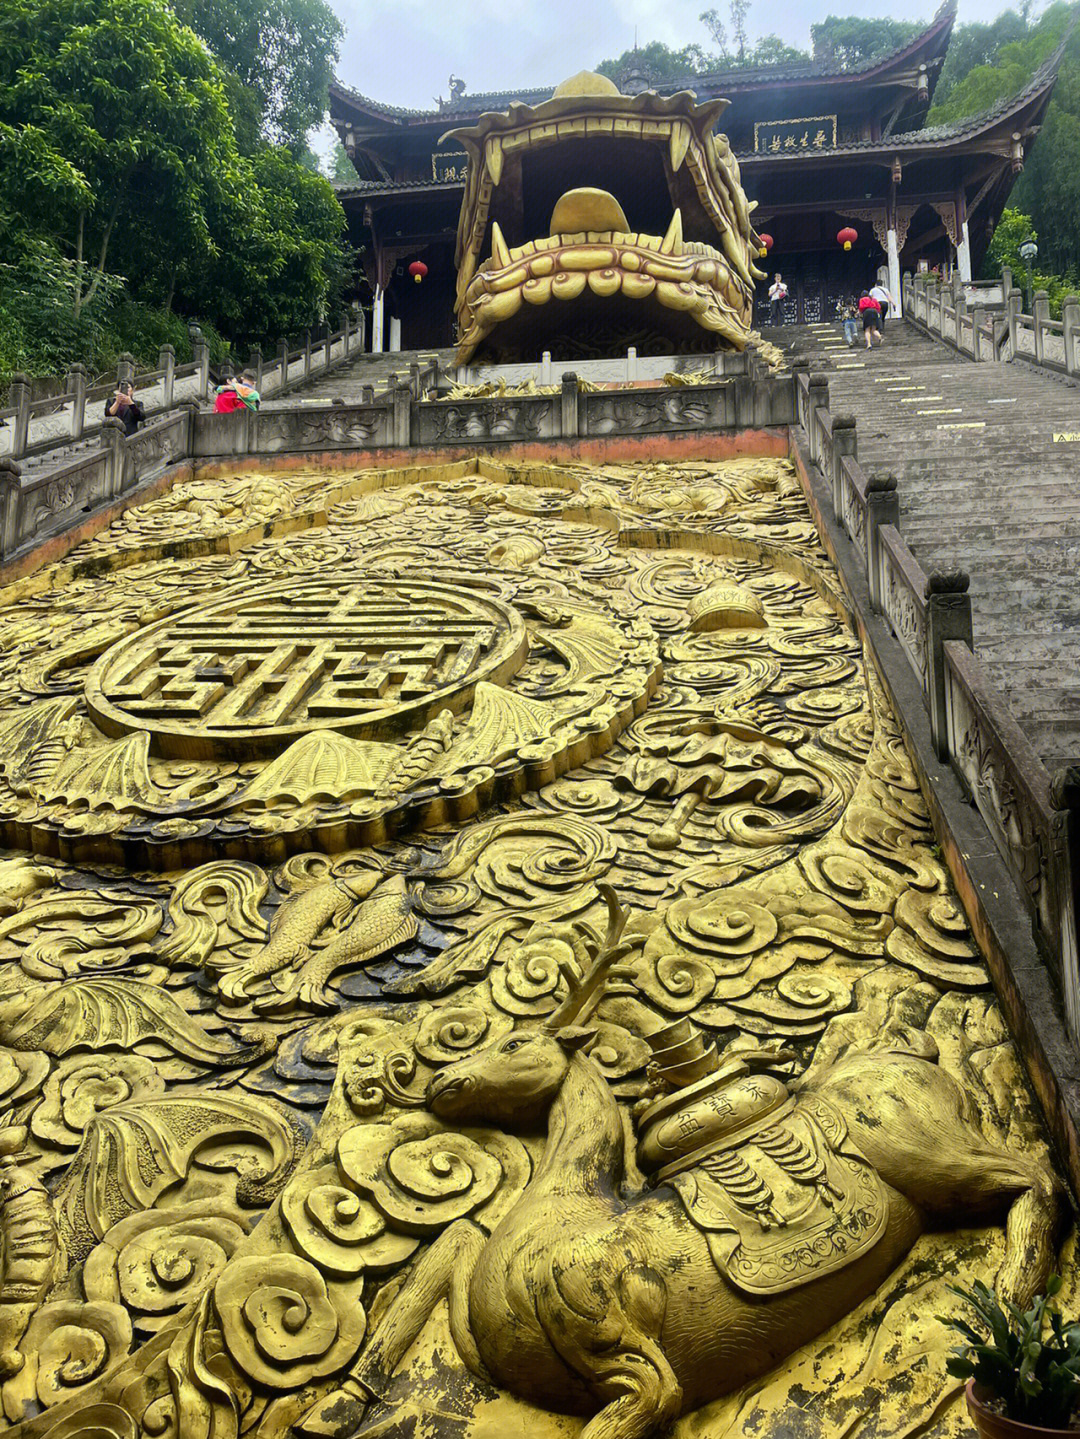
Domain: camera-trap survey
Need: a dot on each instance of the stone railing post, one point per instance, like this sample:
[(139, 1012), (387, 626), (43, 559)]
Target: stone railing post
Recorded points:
[(328, 345), (283, 363), (1040, 314), (978, 320), (167, 362), (125, 368), (882, 508), (114, 443), (402, 413), (961, 310), (76, 384), (255, 365), (19, 398), (367, 394), (844, 442), (1070, 332), (307, 353), (948, 617), (1006, 283), (1013, 319), (817, 399), (569, 405), (10, 485), (414, 379), (200, 353), (228, 369)]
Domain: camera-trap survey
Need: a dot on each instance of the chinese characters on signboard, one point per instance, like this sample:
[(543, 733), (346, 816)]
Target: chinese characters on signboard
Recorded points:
[(782, 137), (453, 165)]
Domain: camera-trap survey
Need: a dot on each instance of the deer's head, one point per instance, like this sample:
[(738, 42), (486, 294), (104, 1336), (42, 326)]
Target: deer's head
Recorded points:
[(513, 1082)]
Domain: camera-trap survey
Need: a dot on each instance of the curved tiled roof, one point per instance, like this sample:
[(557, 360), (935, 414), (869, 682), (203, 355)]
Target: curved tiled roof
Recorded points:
[(739, 78)]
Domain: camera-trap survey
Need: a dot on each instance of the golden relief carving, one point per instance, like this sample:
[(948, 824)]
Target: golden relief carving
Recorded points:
[(475, 958)]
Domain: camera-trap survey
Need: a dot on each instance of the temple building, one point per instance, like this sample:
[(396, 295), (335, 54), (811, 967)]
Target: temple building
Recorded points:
[(821, 149)]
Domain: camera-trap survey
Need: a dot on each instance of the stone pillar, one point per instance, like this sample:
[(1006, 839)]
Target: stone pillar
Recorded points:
[(569, 405), (545, 368), (283, 362), (414, 379), (402, 413), (959, 314), (394, 329), (1070, 331), (1006, 282), (76, 384), (10, 487), (631, 364), (114, 443), (948, 617), (1013, 317), (19, 399), (963, 255), (978, 324), (167, 362), (896, 290), (200, 353), (125, 368), (255, 365), (844, 442), (882, 508), (1040, 315), (307, 353), (367, 394), (818, 398), (378, 317)]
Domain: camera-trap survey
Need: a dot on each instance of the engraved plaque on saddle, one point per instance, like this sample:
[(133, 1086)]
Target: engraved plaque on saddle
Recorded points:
[(793, 1202)]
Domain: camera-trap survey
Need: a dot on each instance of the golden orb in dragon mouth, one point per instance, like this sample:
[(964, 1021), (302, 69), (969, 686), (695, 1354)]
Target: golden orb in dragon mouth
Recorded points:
[(629, 206)]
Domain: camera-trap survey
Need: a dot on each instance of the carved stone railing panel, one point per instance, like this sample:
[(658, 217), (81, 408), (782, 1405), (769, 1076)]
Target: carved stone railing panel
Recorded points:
[(514, 420), (1014, 794), (903, 598)]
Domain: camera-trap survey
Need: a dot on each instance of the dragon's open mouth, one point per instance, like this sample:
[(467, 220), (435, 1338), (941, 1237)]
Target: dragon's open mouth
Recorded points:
[(684, 269)]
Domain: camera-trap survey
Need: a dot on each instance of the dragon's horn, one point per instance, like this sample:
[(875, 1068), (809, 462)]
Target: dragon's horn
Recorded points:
[(584, 993)]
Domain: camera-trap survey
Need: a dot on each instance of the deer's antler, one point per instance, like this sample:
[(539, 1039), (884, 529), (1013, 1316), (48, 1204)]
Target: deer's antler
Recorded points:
[(585, 993)]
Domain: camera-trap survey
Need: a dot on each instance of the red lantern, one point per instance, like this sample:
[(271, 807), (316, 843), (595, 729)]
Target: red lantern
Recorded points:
[(418, 270), (847, 237), (766, 245)]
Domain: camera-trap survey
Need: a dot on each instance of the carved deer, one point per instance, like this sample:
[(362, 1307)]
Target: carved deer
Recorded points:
[(586, 1299)]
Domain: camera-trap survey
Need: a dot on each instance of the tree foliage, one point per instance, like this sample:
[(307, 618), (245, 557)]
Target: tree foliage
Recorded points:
[(281, 54), (733, 46), (119, 161), (845, 42), (662, 65)]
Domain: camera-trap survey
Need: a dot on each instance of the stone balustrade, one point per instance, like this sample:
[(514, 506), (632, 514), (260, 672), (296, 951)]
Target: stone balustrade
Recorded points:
[(1001, 334), (32, 427), (1034, 818)]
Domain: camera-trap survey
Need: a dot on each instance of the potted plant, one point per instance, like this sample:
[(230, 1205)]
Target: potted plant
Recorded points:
[(1022, 1366)]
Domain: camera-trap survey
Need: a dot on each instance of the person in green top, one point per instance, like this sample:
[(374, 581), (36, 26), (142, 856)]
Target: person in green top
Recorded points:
[(238, 394)]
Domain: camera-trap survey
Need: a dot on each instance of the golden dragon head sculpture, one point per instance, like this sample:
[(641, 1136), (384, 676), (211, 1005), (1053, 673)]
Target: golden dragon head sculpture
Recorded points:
[(665, 254)]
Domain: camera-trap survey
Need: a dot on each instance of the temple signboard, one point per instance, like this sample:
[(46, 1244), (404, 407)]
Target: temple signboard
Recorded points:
[(453, 165), (812, 132)]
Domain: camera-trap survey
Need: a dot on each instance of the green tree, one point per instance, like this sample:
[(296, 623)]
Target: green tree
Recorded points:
[(733, 47), (662, 65), (281, 52), (116, 106), (844, 41), (976, 44), (340, 169)]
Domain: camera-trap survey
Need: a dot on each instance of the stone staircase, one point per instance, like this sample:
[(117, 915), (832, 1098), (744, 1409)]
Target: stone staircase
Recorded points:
[(985, 487), (348, 381)]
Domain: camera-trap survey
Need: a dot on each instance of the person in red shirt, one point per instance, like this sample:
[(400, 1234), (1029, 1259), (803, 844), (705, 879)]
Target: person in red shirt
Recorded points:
[(870, 311), (238, 394)]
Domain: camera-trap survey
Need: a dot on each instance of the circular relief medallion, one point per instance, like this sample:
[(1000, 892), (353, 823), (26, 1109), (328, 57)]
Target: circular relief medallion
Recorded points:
[(255, 670)]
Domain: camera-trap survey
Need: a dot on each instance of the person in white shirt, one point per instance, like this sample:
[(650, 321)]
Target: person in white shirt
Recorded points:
[(884, 299), (777, 296)]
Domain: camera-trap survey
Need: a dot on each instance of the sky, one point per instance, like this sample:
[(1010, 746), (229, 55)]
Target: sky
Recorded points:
[(403, 53)]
